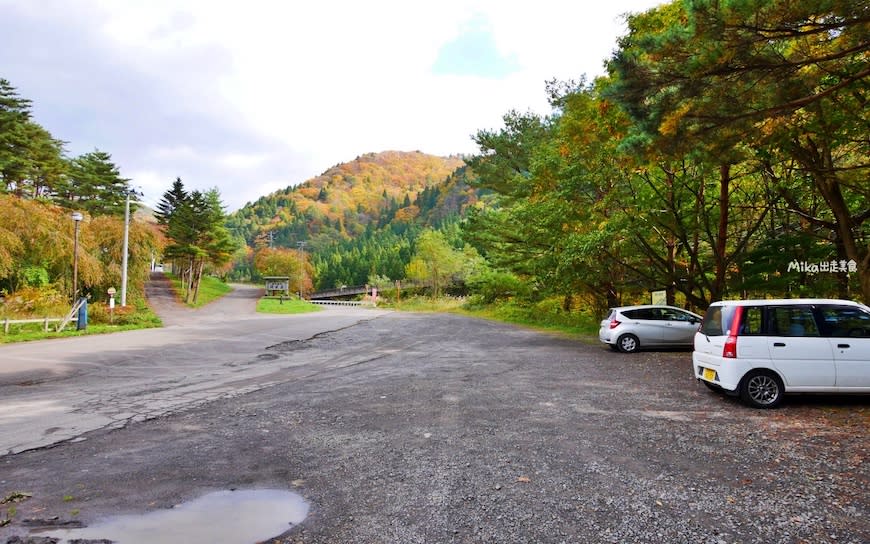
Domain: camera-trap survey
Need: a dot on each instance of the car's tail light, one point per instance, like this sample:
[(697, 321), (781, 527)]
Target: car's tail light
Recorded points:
[(614, 323), (729, 351)]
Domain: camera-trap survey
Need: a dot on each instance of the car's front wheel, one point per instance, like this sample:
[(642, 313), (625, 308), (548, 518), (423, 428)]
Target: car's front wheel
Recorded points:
[(628, 343), (761, 389)]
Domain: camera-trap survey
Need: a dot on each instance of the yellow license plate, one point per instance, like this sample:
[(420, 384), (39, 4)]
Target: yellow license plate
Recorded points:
[(709, 374)]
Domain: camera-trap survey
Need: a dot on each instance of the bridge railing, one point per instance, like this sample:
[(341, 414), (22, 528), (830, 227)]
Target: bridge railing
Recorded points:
[(347, 291), (342, 292)]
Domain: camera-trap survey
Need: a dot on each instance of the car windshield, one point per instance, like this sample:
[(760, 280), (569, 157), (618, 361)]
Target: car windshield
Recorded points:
[(717, 322)]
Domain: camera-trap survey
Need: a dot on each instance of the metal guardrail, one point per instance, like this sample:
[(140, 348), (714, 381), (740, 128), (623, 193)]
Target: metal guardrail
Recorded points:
[(337, 302)]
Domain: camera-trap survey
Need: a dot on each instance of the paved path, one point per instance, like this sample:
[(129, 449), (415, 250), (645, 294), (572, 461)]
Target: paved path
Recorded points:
[(241, 302), (57, 390)]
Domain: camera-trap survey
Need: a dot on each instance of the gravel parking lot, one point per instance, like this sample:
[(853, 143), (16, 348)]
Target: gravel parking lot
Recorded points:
[(438, 428)]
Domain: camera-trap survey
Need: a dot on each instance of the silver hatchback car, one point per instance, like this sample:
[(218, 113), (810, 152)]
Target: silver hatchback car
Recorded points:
[(631, 328)]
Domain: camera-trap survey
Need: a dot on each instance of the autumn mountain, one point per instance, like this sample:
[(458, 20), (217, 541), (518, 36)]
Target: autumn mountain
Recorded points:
[(376, 201)]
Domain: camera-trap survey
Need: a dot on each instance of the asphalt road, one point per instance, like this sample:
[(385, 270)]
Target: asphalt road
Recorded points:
[(399, 427), (55, 391)]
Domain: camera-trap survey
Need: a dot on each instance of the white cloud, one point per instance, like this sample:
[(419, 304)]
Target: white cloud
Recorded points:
[(151, 183), (242, 160), (180, 152), (255, 96)]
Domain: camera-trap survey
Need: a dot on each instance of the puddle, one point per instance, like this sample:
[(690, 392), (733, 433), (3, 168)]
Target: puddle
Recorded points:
[(229, 517)]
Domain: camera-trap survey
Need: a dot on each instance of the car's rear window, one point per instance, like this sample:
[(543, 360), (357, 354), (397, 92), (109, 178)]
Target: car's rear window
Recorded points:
[(753, 321), (717, 321), (639, 313)]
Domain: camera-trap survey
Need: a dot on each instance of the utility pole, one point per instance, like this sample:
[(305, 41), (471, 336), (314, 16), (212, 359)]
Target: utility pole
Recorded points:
[(301, 245), (124, 255)]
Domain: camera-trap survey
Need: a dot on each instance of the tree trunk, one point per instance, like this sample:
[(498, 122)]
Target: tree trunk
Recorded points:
[(671, 244), (694, 269), (612, 296), (719, 254), (670, 288), (198, 280), (189, 288), (820, 165)]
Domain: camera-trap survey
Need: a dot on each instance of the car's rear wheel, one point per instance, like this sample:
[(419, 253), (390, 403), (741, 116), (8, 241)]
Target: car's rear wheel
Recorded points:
[(761, 389), (628, 343)]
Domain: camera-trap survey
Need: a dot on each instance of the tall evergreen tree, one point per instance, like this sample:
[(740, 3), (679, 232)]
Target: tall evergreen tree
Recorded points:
[(14, 116), (195, 226), (170, 201), (95, 185), (48, 169), (31, 160)]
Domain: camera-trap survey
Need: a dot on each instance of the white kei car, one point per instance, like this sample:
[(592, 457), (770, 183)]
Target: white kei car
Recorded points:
[(763, 349)]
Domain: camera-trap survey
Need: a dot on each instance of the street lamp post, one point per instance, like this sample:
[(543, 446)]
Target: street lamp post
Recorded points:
[(77, 218)]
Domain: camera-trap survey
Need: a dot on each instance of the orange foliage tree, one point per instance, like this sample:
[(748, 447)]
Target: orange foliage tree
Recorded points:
[(270, 261)]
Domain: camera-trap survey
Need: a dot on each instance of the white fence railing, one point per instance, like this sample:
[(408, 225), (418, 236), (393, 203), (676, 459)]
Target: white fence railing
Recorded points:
[(64, 321), (44, 320)]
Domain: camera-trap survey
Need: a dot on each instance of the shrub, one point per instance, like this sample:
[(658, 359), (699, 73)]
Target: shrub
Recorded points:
[(32, 302), (34, 276), (132, 314), (491, 286)]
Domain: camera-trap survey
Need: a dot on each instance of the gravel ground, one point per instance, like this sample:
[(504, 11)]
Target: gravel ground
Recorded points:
[(437, 428)]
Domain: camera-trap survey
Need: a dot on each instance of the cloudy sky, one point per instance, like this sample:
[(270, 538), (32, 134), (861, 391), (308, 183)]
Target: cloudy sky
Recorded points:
[(255, 96)]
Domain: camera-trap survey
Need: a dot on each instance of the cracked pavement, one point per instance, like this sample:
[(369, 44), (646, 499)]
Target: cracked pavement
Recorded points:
[(57, 390)]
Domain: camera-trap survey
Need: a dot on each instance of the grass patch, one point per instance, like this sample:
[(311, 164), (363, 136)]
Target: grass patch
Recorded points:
[(425, 304), (273, 305), (136, 316), (545, 316), (574, 324), (210, 289)]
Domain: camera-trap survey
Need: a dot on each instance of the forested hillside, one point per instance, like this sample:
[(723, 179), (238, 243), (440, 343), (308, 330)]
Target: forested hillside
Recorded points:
[(358, 219), (725, 154)]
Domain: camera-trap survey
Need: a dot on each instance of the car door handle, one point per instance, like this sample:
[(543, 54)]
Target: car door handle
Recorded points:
[(842, 345), (779, 344)]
